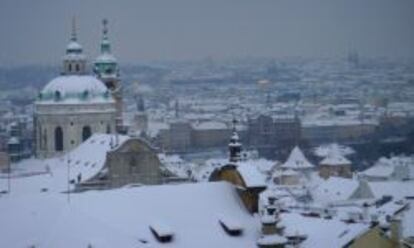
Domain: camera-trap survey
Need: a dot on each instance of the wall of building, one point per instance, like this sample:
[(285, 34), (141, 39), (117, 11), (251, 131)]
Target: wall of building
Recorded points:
[(273, 137), (72, 121), (134, 162), (372, 238)]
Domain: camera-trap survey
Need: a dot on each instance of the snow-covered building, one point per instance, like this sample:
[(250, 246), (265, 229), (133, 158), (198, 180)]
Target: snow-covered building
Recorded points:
[(335, 164), (71, 107), (341, 190), (297, 161), (395, 168), (186, 215), (249, 180)]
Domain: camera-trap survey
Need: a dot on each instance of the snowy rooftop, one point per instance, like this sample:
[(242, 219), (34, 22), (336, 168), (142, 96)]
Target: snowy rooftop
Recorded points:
[(297, 160), (251, 175), (335, 189), (122, 217), (209, 125), (33, 175), (335, 157), (74, 87), (321, 232), (325, 150)]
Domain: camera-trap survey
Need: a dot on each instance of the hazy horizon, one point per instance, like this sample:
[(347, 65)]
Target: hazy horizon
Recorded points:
[(37, 32)]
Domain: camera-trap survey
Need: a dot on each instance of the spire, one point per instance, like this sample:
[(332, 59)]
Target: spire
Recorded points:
[(74, 61), (235, 146), (73, 36), (105, 44)]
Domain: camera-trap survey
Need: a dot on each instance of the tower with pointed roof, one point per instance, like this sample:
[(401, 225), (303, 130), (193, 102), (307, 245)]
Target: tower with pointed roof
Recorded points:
[(74, 60), (107, 70)]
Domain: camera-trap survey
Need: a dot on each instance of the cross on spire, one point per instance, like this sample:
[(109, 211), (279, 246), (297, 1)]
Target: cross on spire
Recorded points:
[(105, 44), (73, 37), (105, 27)]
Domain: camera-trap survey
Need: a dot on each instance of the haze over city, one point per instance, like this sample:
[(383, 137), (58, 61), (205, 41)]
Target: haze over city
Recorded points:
[(33, 31), (199, 124)]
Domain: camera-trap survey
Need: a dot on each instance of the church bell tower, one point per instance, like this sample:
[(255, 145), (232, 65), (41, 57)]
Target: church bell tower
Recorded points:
[(107, 70)]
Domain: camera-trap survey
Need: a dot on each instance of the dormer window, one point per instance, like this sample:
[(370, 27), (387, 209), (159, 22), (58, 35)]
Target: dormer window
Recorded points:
[(162, 232), (231, 227)]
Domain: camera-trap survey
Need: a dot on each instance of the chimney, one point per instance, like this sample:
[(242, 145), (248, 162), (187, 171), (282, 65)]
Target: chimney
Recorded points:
[(272, 229)]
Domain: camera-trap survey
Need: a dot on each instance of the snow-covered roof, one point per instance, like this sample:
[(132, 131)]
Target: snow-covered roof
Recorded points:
[(74, 46), (297, 160), (273, 239), (379, 170), (397, 189), (335, 189), (251, 175), (324, 150), (74, 87), (335, 158), (122, 217), (86, 160), (210, 125), (394, 168), (322, 232)]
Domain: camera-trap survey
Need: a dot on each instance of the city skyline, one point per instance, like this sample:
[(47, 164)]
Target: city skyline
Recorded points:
[(185, 30)]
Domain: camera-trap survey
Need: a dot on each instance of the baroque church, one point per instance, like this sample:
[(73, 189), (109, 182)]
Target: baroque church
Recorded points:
[(76, 104)]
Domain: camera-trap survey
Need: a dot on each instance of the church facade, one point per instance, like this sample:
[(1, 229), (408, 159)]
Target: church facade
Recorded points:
[(74, 105)]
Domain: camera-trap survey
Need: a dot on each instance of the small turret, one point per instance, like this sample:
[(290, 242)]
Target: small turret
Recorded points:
[(107, 70)]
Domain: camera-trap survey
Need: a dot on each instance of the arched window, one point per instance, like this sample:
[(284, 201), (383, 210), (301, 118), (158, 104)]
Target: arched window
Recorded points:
[(58, 139), (86, 132), (77, 67), (58, 95), (70, 67), (108, 129)]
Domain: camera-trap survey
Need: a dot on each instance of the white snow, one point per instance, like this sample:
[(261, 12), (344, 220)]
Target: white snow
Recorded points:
[(324, 150), (322, 232), (75, 85), (296, 160), (251, 175), (87, 160), (335, 189), (335, 158), (210, 125), (121, 217)]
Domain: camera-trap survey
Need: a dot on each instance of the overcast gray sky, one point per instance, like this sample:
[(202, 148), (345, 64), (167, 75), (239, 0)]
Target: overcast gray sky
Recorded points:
[(142, 30)]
